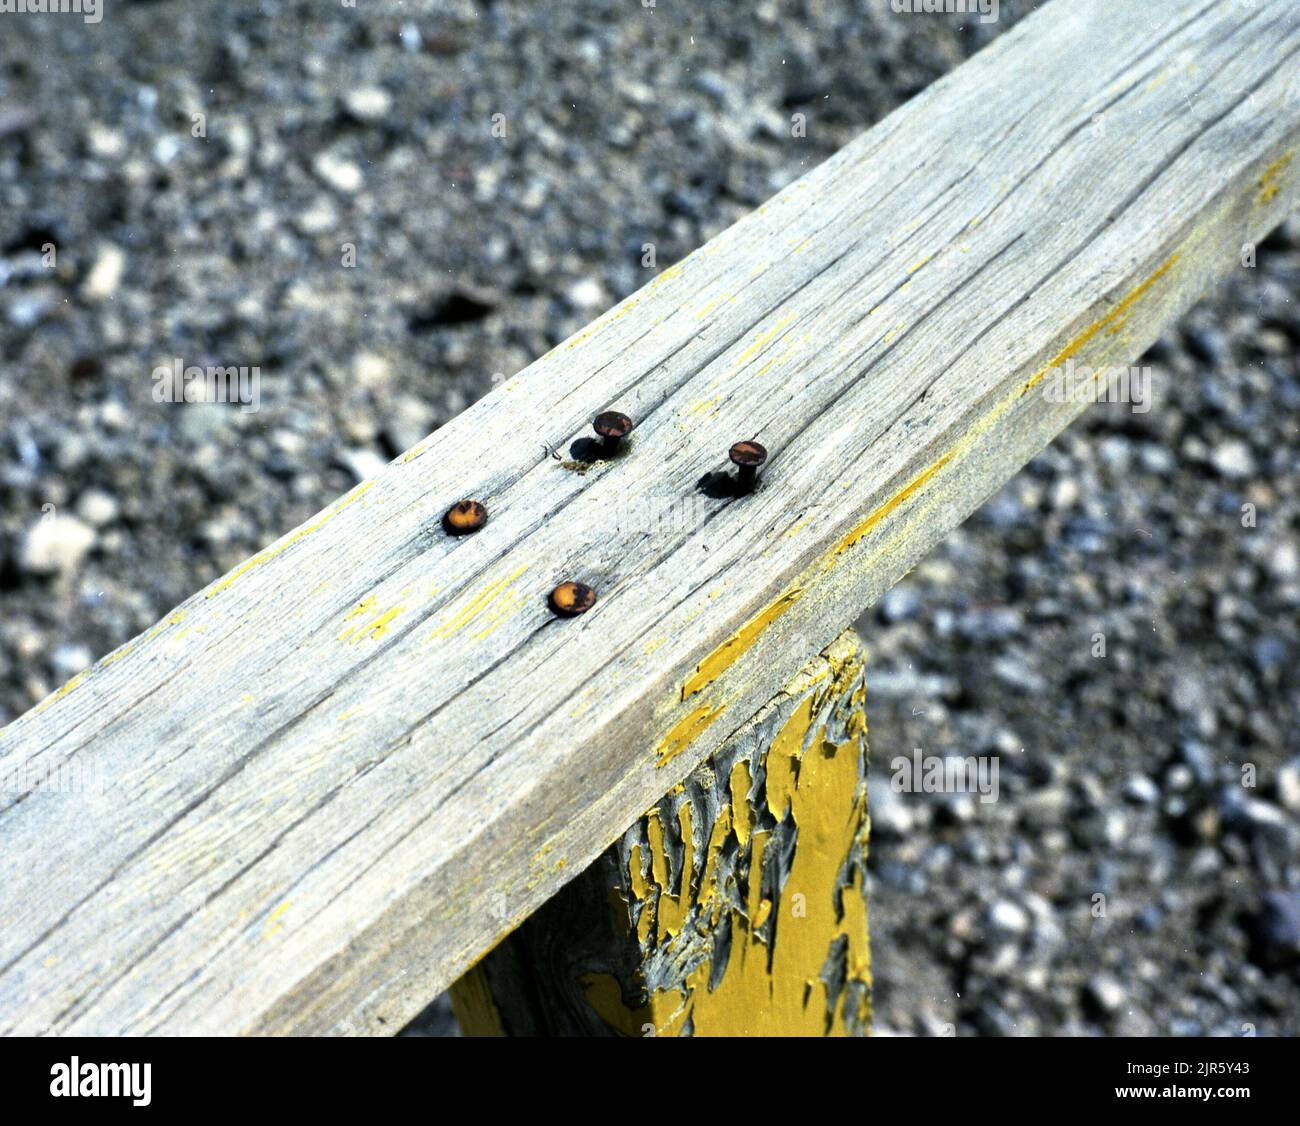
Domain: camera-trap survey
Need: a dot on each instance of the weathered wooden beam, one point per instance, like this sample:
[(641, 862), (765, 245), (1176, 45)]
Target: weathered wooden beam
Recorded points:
[(736, 906), (339, 774)]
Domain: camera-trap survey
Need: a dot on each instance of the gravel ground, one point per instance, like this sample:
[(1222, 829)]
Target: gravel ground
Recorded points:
[(324, 128)]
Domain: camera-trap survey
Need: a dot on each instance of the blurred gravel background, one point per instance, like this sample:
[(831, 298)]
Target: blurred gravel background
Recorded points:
[(329, 126)]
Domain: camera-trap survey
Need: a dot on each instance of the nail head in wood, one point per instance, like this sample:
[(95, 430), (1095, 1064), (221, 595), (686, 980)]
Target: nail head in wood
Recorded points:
[(613, 427), (570, 599), (463, 517), (748, 457)]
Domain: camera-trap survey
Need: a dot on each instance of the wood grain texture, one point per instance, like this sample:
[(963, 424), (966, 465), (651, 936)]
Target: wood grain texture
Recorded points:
[(328, 782), (735, 907)]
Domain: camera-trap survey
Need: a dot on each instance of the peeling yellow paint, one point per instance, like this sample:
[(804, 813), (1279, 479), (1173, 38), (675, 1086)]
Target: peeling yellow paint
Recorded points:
[(731, 650), (686, 730), (773, 979), (740, 782)]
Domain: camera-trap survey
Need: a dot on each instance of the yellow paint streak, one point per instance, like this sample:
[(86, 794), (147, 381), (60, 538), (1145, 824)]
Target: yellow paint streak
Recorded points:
[(768, 366), (420, 448), (125, 651), (758, 344), (711, 306), (60, 693), (798, 526), (1112, 322), (621, 311), (375, 628), (271, 552), (380, 625), (273, 922), (666, 276), (885, 509), (362, 607), (735, 647), (504, 609), (478, 605), (686, 731), (1268, 182)]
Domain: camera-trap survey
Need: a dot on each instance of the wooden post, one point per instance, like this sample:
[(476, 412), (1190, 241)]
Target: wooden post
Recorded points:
[(735, 906)]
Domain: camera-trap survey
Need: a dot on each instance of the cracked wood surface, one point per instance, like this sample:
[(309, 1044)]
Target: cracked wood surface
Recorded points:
[(735, 907), (327, 783)]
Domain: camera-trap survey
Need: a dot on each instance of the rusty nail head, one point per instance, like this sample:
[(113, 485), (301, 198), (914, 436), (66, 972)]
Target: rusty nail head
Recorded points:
[(570, 599), (613, 427), (748, 457), (463, 517)]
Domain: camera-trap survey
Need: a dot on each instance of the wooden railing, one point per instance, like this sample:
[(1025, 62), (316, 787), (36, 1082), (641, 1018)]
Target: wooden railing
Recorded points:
[(325, 786)]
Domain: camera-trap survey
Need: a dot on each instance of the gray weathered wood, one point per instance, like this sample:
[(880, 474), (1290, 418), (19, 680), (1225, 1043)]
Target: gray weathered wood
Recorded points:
[(336, 776)]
